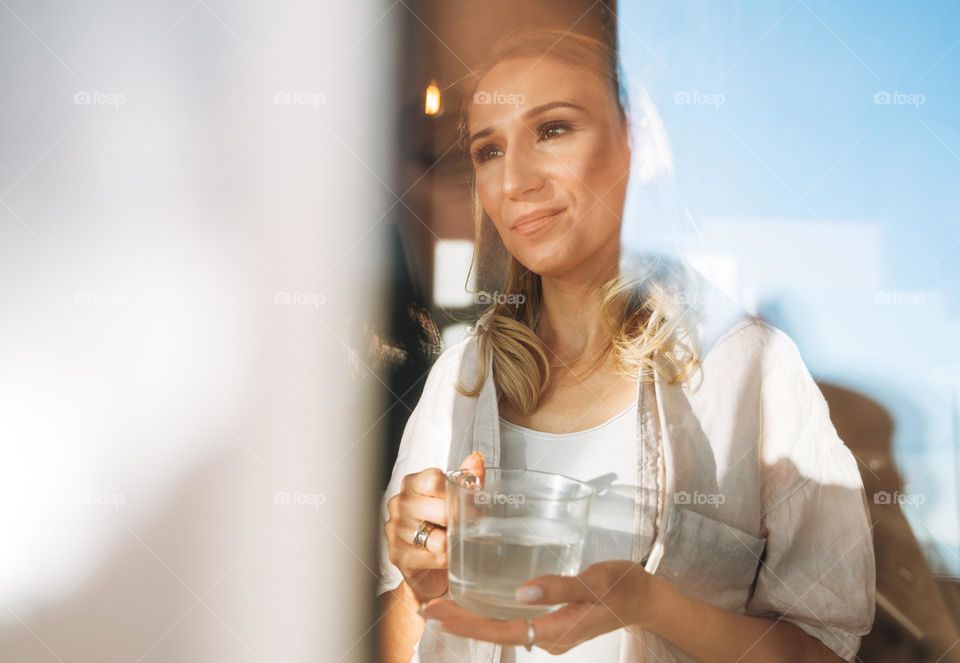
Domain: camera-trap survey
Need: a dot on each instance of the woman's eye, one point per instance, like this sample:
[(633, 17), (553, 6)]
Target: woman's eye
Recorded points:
[(484, 153), (553, 129), (546, 131)]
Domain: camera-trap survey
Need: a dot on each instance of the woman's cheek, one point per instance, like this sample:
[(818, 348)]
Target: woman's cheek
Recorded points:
[(489, 198), (580, 162)]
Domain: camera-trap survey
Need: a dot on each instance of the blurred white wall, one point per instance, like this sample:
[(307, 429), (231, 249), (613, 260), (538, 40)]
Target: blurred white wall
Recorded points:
[(189, 205)]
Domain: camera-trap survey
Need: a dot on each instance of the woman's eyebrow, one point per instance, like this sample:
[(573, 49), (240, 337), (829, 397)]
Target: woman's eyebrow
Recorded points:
[(542, 108)]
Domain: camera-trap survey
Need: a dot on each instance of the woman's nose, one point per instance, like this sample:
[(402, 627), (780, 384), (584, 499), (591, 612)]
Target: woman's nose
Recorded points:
[(522, 174)]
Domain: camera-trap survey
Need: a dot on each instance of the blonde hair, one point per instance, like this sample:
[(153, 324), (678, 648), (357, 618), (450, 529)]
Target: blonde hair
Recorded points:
[(642, 312)]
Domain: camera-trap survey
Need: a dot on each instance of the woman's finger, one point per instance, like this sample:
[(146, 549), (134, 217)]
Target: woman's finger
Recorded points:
[(555, 632), (572, 624), (411, 558), (566, 625), (429, 483), (416, 508), (591, 586), (463, 622), (553, 589), (474, 462), (436, 541)]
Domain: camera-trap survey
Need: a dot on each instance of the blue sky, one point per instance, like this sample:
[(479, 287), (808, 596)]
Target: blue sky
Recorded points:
[(798, 81), (817, 149)]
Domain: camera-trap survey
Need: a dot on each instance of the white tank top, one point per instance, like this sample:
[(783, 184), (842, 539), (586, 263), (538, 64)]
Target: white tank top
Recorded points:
[(587, 454)]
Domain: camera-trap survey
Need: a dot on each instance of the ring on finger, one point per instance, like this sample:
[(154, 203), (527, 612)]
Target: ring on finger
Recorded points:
[(422, 534), (531, 635)]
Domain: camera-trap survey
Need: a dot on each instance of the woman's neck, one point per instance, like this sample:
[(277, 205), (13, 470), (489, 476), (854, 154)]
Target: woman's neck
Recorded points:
[(570, 320)]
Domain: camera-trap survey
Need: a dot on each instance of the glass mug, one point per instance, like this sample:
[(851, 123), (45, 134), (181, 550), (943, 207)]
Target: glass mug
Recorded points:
[(508, 526)]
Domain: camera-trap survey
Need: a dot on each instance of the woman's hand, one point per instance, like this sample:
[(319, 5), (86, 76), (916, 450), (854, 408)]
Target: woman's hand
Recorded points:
[(612, 595), (422, 497), (604, 597)]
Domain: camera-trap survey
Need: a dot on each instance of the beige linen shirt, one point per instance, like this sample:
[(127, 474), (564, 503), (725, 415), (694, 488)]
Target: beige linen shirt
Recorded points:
[(758, 505)]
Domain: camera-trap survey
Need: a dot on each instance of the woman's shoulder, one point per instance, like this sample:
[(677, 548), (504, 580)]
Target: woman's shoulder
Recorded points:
[(756, 352), (758, 347), (797, 436), (457, 363), (437, 417), (754, 341), (457, 356), (743, 340)]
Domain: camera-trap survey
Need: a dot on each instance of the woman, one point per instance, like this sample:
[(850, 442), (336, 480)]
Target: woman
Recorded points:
[(737, 530)]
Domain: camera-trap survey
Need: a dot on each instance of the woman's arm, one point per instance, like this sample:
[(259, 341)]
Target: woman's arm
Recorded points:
[(400, 627), (709, 633)]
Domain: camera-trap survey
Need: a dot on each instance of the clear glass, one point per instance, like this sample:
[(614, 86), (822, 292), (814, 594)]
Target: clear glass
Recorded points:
[(506, 526)]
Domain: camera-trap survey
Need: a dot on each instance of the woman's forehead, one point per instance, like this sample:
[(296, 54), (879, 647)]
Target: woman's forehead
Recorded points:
[(536, 77), (513, 87)]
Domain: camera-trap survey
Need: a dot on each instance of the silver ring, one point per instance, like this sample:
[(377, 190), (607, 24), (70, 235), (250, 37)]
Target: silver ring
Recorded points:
[(422, 534), (531, 635)]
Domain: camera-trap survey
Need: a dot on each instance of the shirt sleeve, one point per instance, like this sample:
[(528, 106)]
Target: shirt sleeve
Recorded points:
[(420, 448), (818, 569)]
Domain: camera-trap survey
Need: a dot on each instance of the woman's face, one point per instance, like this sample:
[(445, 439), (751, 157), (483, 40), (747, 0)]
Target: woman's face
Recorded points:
[(546, 139)]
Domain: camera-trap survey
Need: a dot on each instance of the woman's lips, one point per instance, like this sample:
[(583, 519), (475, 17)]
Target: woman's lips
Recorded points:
[(532, 226)]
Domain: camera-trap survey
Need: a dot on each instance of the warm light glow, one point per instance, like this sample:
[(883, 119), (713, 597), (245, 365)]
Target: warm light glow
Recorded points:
[(431, 104)]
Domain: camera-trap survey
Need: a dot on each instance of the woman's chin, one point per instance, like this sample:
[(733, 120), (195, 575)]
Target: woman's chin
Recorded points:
[(544, 264)]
